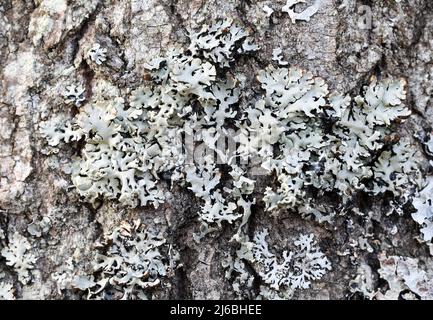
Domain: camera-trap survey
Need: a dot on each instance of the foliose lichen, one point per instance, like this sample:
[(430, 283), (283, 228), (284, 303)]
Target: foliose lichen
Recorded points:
[(131, 261), (18, 256), (195, 122)]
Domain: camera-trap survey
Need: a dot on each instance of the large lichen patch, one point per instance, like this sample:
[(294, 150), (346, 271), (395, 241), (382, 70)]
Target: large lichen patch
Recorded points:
[(197, 122)]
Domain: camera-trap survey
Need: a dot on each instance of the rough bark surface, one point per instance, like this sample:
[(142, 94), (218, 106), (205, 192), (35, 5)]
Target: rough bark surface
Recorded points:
[(42, 49)]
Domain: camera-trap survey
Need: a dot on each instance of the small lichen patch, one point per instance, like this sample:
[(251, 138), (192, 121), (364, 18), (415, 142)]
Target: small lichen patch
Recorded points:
[(304, 15), (402, 274), (18, 256), (74, 95), (423, 204), (131, 260), (283, 275), (6, 291), (97, 54)]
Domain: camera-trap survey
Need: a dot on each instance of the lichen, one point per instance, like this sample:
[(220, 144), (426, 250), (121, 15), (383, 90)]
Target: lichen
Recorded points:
[(195, 124), (74, 95), (97, 54), (304, 15), (128, 147), (423, 215), (282, 275), (404, 274), (131, 261), (6, 291), (19, 256)]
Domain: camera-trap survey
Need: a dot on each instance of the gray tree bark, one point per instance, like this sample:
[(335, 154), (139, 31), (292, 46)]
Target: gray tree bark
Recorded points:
[(42, 48)]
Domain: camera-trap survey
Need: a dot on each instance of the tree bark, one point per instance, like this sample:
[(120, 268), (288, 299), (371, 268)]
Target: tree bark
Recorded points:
[(42, 49)]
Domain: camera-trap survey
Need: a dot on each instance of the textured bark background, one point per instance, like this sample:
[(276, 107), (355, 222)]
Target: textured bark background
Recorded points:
[(42, 49)]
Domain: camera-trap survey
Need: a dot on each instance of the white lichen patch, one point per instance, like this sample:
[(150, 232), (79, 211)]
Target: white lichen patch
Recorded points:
[(339, 160), (282, 274), (131, 260), (74, 94), (423, 204), (39, 227), (277, 56), (6, 291), (402, 274), (304, 15), (268, 10), (19, 256), (363, 283), (97, 54), (296, 269), (65, 275)]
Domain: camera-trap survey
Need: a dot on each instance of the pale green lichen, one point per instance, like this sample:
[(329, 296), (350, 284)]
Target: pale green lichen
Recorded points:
[(131, 261), (281, 275), (195, 123), (19, 256), (187, 106), (423, 204)]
